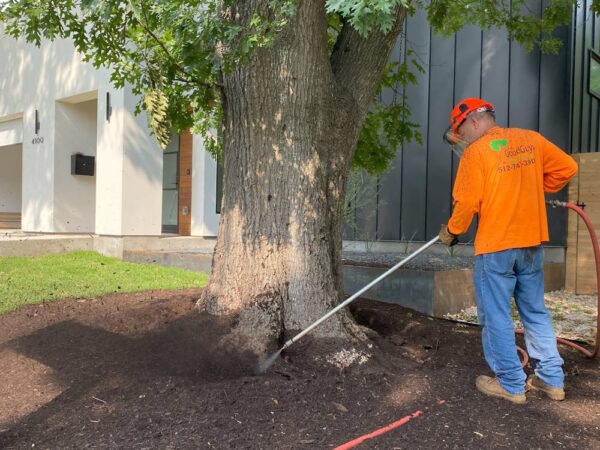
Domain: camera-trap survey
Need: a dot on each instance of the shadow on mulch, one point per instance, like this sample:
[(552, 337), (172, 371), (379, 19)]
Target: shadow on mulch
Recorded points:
[(146, 371)]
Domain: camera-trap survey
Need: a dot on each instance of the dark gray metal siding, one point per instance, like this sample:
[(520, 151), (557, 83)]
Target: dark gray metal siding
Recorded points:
[(585, 122), (529, 90)]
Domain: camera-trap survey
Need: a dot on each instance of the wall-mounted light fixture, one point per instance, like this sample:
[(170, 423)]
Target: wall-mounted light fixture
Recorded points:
[(108, 107), (37, 122)]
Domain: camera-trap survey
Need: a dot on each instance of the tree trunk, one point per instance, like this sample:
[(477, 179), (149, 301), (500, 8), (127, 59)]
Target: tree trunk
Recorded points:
[(290, 132)]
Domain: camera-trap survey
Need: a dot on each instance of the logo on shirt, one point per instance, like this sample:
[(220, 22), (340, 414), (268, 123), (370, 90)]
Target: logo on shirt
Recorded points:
[(516, 158), (498, 144)]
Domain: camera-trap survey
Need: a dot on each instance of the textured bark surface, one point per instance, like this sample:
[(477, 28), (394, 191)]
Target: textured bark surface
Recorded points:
[(292, 117)]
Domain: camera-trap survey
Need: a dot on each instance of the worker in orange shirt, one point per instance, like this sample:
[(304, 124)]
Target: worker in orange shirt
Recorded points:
[(502, 177)]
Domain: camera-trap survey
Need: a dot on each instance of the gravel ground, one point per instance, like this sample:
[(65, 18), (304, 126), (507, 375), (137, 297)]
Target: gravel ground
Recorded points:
[(574, 316)]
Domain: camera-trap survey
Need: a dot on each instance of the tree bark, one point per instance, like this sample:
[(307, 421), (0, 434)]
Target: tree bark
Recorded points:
[(292, 117)]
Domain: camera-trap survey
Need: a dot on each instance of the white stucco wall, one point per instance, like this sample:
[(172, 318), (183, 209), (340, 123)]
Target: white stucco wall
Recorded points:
[(32, 79), (128, 181), (109, 164), (142, 174), (10, 178), (74, 195), (205, 220), (11, 131), (127, 187)]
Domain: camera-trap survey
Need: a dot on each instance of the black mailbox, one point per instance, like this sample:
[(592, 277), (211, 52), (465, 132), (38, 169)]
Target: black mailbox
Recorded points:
[(82, 165)]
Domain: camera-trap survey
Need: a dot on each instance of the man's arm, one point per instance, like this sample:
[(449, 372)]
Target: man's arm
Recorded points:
[(558, 167), (467, 193)]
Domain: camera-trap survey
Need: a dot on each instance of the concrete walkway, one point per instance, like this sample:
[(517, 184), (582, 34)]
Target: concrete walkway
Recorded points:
[(20, 243), (198, 259)]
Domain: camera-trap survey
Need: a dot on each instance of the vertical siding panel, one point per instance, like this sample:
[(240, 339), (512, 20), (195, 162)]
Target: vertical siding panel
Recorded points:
[(524, 83), (554, 120), (439, 161), (467, 83), (593, 143), (585, 101), (597, 48), (594, 125), (366, 212), (529, 90), (388, 227), (577, 81), (415, 155), (495, 65), (571, 64)]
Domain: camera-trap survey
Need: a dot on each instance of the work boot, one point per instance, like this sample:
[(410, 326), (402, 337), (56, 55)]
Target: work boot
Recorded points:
[(555, 393), (491, 386)]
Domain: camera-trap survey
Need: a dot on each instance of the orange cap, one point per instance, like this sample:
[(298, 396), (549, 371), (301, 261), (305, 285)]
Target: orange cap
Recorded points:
[(465, 107)]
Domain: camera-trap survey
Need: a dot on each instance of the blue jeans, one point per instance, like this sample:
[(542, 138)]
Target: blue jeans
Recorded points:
[(498, 276)]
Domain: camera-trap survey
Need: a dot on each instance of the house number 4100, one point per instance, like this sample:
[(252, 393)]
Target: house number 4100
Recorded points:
[(37, 140)]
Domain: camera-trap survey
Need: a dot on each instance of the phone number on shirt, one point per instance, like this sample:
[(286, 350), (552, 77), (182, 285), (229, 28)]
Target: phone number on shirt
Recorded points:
[(514, 166)]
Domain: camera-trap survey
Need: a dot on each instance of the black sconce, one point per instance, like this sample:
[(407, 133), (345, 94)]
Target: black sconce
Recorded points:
[(108, 107), (37, 122)]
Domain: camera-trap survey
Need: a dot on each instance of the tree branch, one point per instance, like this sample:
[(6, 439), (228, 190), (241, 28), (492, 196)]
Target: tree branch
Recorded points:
[(143, 24), (358, 62)]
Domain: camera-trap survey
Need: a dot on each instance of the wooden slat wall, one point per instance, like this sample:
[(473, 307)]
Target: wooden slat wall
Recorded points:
[(580, 265), (185, 184), (572, 235)]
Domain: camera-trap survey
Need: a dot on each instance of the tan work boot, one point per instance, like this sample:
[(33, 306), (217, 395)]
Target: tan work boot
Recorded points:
[(533, 382), (491, 386)]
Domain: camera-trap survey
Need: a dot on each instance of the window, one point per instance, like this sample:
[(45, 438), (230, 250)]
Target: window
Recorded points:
[(594, 87)]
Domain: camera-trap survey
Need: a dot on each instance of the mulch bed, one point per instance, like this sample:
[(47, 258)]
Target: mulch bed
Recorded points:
[(147, 371)]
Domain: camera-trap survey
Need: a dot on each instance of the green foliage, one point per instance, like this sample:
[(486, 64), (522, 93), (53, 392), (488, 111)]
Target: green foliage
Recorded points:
[(387, 125), (30, 280), (521, 24), (157, 104), (175, 49), (174, 53), (335, 24), (367, 16)]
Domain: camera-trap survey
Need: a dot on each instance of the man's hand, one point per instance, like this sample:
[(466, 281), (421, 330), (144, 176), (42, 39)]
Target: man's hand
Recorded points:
[(446, 237)]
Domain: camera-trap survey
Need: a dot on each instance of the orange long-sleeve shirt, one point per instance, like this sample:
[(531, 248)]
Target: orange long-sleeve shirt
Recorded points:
[(502, 177)]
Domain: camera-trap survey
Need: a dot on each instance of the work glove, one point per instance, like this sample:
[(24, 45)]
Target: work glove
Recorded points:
[(446, 237)]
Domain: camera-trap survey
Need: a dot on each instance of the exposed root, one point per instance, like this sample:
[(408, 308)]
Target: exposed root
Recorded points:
[(357, 331), (256, 328)]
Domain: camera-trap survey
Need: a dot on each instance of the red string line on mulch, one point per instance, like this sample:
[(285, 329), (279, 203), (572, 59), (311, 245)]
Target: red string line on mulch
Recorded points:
[(379, 432)]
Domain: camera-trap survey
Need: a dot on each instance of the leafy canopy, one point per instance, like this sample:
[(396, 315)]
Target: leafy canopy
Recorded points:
[(174, 53)]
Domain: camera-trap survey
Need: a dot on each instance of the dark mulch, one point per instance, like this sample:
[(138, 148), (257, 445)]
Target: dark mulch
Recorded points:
[(147, 371)]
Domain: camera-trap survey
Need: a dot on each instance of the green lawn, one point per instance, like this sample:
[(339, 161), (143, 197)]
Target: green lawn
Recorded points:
[(26, 280)]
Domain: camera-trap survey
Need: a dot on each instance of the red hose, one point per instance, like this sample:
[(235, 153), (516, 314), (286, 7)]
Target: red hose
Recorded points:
[(588, 223), (523, 353), (359, 440)]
